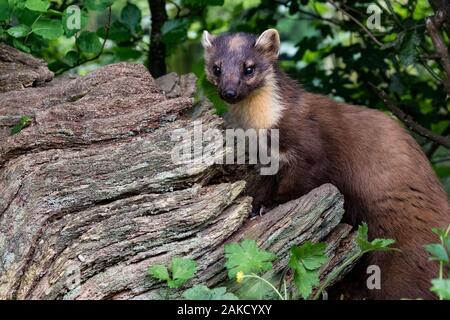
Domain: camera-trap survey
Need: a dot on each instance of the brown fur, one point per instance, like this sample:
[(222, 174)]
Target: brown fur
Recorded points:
[(385, 177)]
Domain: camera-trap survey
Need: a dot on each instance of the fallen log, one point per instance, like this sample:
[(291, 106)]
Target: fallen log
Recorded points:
[(90, 197)]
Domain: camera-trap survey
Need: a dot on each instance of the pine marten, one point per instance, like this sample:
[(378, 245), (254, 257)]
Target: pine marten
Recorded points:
[(382, 172)]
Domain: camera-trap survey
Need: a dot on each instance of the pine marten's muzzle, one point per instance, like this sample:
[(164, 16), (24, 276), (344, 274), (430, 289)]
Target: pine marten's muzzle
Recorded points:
[(230, 92)]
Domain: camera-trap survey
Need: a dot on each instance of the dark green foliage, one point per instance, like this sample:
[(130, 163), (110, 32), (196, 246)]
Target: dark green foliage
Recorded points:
[(440, 252), (180, 272), (201, 292), (305, 262), (246, 257)]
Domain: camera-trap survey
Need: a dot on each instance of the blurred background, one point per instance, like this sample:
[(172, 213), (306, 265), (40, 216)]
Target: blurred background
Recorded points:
[(381, 54)]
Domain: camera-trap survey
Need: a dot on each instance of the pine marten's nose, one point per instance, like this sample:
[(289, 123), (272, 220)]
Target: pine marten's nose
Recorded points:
[(230, 94)]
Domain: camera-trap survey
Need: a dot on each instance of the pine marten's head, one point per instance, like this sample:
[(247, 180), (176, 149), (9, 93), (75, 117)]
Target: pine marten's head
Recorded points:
[(239, 63)]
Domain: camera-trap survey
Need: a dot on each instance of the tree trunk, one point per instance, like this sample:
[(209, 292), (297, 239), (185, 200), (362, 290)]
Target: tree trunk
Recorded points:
[(90, 198), (157, 54)]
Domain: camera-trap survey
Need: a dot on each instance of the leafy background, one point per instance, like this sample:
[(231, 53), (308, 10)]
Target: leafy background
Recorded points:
[(323, 46)]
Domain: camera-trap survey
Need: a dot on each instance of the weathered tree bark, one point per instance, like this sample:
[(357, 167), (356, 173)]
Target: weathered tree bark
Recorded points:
[(90, 197), (444, 7), (19, 70)]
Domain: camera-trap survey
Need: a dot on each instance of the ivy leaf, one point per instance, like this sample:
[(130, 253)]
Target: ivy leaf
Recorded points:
[(23, 123), (247, 258), (182, 270), (89, 42), (71, 22), (311, 255), (441, 287), (408, 50), (437, 251), (305, 280), (97, 5), (374, 245), (131, 16), (37, 5), (159, 272), (175, 30), (201, 292), (19, 31), (47, 28)]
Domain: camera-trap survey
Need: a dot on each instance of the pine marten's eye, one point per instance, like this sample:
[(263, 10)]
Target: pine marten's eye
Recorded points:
[(217, 71), (249, 70)]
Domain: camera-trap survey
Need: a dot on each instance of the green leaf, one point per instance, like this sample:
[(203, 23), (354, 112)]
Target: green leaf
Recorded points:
[(246, 257), (182, 270), (74, 20), (89, 42), (19, 45), (17, 4), (25, 16), (23, 122), (71, 58), (201, 292), (363, 232), (441, 287), (47, 28), (305, 262), (408, 51), (374, 245), (305, 280), (98, 5), (175, 30), (118, 32), (127, 53), (131, 16), (439, 232), (201, 3), (5, 10), (159, 272), (37, 5), (311, 255), (437, 251), (19, 31), (211, 93)]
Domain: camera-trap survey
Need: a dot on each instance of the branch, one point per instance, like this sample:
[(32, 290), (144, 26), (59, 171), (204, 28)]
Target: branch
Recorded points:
[(440, 160), (409, 121), (433, 24), (176, 6), (357, 22), (434, 146)]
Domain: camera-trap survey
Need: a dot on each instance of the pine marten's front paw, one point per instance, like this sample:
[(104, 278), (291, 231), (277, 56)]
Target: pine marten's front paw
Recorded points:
[(258, 211)]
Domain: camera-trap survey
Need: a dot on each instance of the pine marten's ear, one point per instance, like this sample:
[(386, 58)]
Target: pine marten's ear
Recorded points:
[(269, 43), (207, 39)]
